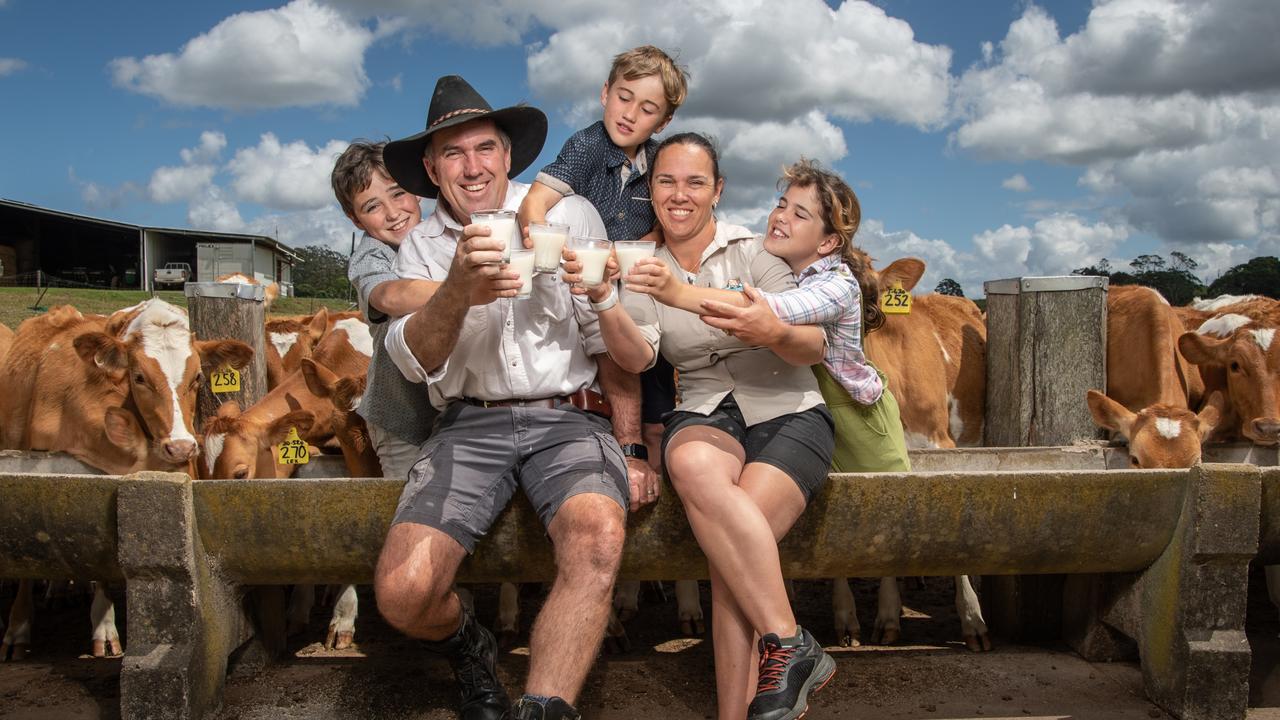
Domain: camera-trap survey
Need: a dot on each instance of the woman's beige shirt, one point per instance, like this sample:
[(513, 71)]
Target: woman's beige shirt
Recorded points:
[(712, 363)]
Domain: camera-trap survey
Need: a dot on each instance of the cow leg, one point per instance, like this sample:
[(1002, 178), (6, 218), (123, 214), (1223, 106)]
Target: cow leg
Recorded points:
[(845, 611), (17, 637), (689, 608), (342, 625), (301, 600), (626, 599), (888, 629), (508, 615), (972, 627), (102, 614)]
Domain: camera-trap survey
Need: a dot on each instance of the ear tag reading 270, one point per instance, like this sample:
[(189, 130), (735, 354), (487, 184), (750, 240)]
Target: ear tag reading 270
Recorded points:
[(895, 300), (293, 451), (225, 380)]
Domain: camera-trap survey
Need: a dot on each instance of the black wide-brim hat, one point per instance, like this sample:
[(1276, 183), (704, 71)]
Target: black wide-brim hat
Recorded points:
[(455, 102)]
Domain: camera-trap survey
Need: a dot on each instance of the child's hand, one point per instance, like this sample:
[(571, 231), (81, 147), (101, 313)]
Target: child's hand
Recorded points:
[(651, 276)]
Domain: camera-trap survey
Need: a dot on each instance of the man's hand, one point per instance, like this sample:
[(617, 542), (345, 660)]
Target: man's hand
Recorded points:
[(646, 486), (755, 324), (478, 263)]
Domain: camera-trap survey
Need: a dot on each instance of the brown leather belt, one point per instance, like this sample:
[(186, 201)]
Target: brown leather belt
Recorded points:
[(585, 400)]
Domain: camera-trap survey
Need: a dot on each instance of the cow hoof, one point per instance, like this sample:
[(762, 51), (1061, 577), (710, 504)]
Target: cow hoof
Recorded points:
[(978, 643), (617, 644), (693, 627), (850, 639), (887, 636), (507, 639), (14, 653), (339, 640)]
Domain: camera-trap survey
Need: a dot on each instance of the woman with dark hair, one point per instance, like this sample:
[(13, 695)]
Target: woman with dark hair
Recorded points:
[(750, 442)]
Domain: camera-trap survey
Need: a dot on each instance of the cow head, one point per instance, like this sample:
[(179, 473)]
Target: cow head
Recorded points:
[(353, 434), (1251, 361), (291, 341), (154, 353), (1159, 436), (237, 446)]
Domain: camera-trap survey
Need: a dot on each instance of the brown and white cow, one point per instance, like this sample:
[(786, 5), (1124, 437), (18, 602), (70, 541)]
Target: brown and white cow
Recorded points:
[(117, 393), (1144, 364), (289, 340), (935, 362), (1158, 436), (1239, 355), (270, 291)]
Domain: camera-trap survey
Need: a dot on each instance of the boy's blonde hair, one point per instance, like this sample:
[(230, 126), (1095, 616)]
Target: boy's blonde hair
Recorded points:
[(648, 60), (841, 216)]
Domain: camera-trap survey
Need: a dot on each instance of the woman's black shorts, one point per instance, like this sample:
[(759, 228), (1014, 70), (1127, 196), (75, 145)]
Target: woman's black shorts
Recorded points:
[(800, 444)]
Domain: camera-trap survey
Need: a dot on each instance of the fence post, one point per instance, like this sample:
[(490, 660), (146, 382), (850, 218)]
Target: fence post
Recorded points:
[(236, 312), (1046, 345)]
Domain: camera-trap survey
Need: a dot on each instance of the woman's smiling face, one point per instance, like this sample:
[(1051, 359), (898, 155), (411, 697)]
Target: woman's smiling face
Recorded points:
[(685, 190)]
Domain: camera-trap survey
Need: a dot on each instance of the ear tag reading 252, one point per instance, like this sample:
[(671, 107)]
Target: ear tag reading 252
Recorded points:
[(895, 300), (293, 451), (225, 380)]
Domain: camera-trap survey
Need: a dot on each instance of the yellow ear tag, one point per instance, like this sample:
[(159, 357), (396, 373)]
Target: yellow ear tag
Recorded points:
[(895, 301), (225, 380), (293, 451)]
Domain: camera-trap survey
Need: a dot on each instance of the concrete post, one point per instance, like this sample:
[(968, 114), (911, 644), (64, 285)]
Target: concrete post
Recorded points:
[(236, 312), (183, 620), (1046, 345)]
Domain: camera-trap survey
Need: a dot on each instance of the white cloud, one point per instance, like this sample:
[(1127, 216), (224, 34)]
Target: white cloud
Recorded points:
[(211, 209), (174, 184), (325, 226), (302, 54), (1016, 183), (941, 259), (212, 143), (9, 66), (288, 176), (1170, 107)]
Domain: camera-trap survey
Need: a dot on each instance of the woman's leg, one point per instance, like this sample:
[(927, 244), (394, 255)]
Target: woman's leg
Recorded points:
[(704, 464)]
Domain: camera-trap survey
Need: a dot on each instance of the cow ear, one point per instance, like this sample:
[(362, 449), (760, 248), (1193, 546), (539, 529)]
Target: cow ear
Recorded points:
[(279, 428), (1201, 350), (1211, 414), (103, 351), (229, 409), (1109, 414), (318, 325), (216, 353), (348, 392), (320, 379), (907, 271), (121, 428)]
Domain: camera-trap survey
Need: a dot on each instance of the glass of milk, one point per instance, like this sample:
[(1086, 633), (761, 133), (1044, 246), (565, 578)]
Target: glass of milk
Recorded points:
[(521, 263), (593, 253), (548, 241), (502, 225), (631, 251)]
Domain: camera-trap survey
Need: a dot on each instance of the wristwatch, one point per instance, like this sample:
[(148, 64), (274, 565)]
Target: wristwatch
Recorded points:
[(636, 450)]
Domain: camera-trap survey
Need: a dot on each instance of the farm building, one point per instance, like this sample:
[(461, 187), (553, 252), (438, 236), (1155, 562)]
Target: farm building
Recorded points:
[(43, 246)]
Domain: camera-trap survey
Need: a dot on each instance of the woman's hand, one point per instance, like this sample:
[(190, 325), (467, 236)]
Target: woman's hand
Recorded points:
[(755, 324), (571, 273), (651, 276)]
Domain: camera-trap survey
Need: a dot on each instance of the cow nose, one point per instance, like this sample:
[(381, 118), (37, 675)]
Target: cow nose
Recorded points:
[(180, 450), (1267, 429)]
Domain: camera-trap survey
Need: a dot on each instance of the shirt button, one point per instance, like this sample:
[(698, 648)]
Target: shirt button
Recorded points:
[(514, 363), (622, 215)]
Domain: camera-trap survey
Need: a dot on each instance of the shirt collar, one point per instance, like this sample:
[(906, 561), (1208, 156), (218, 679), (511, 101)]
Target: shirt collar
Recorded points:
[(824, 263)]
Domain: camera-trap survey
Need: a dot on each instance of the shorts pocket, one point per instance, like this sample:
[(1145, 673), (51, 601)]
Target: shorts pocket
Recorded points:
[(875, 418)]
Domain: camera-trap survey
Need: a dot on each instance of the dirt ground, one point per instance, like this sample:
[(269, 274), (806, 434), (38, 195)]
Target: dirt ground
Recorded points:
[(930, 675)]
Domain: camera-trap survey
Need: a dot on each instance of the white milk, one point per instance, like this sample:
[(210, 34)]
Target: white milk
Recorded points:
[(522, 262), (547, 247), (629, 256), (504, 228), (593, 263)]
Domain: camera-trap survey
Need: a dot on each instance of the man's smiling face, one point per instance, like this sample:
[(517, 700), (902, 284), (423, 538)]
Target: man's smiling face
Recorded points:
[(470, 163)]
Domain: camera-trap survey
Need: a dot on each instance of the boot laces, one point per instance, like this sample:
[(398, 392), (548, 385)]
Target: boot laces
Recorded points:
[(774, 661)]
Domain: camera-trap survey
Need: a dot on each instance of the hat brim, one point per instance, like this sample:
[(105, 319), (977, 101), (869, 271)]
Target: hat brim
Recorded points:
[(525, 125)]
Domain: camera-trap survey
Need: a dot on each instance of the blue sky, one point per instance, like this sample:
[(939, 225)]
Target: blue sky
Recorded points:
[(991, 139)]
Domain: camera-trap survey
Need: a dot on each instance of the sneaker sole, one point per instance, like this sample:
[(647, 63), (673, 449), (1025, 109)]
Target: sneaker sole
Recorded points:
[(821, 676)]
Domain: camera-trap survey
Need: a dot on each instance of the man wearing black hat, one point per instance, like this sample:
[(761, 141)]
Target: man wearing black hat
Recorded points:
[(515, 380)]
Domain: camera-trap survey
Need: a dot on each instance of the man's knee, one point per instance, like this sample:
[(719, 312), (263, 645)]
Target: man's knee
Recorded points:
[(414, 576), (592, 531)]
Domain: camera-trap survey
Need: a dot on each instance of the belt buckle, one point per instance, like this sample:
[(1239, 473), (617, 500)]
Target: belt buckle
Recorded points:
[(487, 404)]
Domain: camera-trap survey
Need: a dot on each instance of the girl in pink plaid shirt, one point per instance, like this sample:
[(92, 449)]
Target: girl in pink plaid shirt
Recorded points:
[(812, 229)]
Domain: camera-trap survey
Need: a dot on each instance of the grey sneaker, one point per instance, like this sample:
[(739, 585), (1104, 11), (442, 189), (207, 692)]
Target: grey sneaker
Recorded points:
[(790, 669)]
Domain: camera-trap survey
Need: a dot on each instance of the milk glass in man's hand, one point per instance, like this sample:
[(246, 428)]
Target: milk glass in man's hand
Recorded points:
[(632, 251), (548, 242), (522, 262), (502, 225), (593, 254)]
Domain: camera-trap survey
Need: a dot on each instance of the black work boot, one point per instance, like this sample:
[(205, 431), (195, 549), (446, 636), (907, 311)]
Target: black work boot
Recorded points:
[(790, 669), (555, 708), (472, 652)]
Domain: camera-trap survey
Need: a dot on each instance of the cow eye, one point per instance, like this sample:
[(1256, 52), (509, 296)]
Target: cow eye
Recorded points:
[(1134, 462), (1235, 367), (241, 472), (140, 379)]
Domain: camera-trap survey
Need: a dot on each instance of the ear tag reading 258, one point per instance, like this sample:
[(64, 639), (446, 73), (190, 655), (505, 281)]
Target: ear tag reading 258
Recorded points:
[(293, 451), (895, 300), (225, 380)]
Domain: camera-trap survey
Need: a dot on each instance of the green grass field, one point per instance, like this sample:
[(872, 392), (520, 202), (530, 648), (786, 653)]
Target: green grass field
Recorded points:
[(16, 303)]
